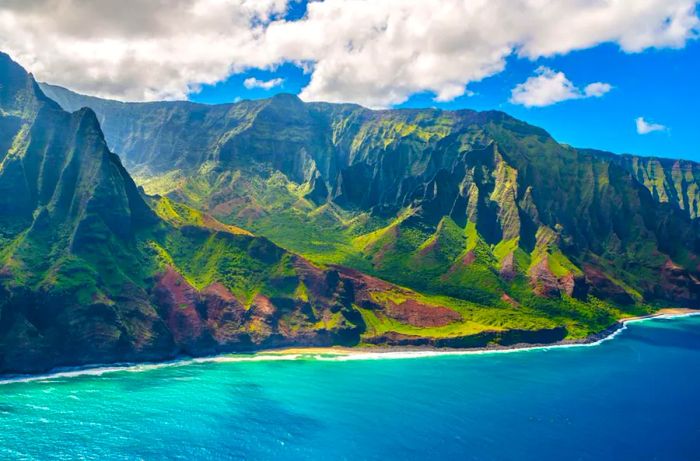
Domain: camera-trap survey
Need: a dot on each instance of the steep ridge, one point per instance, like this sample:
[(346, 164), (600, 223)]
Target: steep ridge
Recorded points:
[(669, 180), (94, 271), (153, 133), (479, 206)]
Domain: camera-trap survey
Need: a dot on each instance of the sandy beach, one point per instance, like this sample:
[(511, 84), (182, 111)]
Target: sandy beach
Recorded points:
[(670, 311), (357, 351)]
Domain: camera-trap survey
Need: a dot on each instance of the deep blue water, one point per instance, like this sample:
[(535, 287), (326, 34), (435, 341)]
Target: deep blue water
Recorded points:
[(634, 397)]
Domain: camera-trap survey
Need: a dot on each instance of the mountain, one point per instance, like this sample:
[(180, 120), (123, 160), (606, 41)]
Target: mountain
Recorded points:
[(474, 205), (92, 270)]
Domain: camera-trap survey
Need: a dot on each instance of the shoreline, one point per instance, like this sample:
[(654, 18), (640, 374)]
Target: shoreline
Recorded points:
[(608, 333), (340, 353)]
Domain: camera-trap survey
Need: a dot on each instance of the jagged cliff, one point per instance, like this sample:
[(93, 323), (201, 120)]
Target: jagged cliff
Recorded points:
[(669, 180), (163, 136)]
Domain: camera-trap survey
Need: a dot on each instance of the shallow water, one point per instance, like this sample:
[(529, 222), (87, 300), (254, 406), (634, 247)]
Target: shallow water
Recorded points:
[(633, 397)]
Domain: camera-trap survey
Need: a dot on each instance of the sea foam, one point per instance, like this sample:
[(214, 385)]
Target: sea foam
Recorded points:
[(330, 356)]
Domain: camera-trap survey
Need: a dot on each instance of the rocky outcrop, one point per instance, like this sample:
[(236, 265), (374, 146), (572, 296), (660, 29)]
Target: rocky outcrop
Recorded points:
[(412, 312)]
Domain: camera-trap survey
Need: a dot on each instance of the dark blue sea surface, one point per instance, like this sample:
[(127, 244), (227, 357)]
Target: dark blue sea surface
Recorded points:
[(633, 397)]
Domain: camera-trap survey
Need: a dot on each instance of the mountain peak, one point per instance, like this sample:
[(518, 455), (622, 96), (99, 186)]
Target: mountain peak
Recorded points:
[(286, 100), (19, 92), (285, 97), (57, 165)]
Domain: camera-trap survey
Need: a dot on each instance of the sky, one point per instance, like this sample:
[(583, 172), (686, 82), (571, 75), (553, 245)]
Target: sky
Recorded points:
[(618, 75)]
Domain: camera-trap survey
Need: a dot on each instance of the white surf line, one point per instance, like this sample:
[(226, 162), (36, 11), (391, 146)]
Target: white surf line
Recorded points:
[(330, 356), (99, 370)]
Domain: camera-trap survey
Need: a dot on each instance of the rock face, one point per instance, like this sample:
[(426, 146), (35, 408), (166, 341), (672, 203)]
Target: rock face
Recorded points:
[(670, 181)]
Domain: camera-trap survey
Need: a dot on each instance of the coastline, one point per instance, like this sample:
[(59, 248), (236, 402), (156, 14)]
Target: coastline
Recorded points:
[(339, 353), (666, 312), (589, 340)]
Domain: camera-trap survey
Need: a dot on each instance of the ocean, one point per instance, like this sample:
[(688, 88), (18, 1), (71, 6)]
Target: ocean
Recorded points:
[(632, 397)]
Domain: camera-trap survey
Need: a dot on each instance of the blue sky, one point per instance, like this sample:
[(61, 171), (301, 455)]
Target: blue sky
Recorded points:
[(619, 75), (661, 85)]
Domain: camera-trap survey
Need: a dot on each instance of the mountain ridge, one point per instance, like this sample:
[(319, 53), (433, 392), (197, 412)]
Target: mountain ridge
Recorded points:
[(71, 101), (643, 167)]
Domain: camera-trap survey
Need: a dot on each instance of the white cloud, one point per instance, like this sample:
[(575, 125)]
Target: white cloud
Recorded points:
[(596, 90), (644, 127), (253, 82), (548, 87), (135, 49), (374, 52)]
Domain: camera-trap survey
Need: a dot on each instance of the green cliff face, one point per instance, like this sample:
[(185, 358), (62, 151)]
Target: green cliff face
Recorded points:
[(670, 181), (389, 227)]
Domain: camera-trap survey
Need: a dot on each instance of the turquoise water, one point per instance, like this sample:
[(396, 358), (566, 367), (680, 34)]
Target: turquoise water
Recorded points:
[(632, 397)]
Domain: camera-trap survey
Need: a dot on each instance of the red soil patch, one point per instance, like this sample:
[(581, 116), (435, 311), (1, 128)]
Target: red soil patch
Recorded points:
[(225, 313), (544, 283), (226, 208), (466, 261), (510, 300), (263, 307), (469, 258), (179, 298), (364, 281), (414, 313), (220, 291), (508, 270), (251, 213), (604, 288), (568, 283), (678, 283)]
